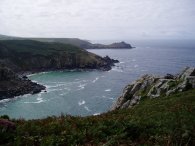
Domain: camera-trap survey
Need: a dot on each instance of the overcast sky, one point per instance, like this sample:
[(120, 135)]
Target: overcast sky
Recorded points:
[(99, 19)]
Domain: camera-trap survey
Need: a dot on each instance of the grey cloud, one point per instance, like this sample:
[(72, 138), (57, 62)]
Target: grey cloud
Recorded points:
[(98, 19)]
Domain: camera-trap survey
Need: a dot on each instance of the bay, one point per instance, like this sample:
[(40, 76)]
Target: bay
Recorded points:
[(84, 93)]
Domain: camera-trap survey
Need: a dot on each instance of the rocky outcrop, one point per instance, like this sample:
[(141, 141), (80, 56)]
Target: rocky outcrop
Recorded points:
[(150, 86), (11, 85), (20, 56), (118, 45)]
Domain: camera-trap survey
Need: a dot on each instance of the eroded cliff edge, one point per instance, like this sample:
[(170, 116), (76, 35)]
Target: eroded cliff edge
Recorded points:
[(27, 55), (12, 85), (151, 86), (20, 56)]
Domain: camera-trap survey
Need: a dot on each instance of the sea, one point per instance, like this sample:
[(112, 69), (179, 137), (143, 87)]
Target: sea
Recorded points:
[(85, 93)]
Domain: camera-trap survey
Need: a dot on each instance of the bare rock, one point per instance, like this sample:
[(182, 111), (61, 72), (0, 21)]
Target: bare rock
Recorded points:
[(152, 87)]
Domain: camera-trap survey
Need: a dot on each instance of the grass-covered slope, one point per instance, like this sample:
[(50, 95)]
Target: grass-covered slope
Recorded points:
[(161, 121), (28, 55), (73, 41)]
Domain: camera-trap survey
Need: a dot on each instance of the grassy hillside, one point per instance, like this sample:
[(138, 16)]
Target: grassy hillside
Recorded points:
[(28, 55), (36, 47), (161, 121), (73, 41)]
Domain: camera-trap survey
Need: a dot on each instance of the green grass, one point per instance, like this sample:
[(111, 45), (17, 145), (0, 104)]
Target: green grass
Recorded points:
[(38, 48), (28, 55), (162, 121)]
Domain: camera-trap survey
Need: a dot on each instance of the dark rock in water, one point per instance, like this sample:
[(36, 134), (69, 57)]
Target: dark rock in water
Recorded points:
[(151, 86), (110, 61), (24, 77), (11, 85)]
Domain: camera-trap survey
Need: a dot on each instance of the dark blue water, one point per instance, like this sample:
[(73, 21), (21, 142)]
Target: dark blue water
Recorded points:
[(93, 92)]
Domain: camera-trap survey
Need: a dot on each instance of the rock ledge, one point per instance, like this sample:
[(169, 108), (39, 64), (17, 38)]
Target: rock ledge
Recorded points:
[(151, 86)]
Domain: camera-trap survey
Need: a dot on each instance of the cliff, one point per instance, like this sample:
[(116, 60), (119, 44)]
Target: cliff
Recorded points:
[(19, 56), (11, 85), (27, 55), (150, 86)]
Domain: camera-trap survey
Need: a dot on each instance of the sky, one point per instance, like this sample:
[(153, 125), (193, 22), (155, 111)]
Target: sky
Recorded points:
[(99, 19)]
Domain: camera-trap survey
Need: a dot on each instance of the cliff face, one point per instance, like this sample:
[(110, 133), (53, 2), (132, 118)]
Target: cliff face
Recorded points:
[(11, 85), (150, 86), (26, 55), (32, 56)]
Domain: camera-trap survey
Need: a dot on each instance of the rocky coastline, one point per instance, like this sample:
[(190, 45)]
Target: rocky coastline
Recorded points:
[(12, 85), (19, 58), (151, 86)]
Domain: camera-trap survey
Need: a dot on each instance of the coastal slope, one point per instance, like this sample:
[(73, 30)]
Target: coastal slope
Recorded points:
[(151, 86), (160, 121), (74, 41), (34, 56), (18, 57)]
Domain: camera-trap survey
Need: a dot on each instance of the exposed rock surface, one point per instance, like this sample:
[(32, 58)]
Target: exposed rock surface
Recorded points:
[(11, 85), (150, 86), (20, 56)]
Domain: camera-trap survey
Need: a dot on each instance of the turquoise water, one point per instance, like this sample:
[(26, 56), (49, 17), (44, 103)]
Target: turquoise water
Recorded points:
[(93, 92)]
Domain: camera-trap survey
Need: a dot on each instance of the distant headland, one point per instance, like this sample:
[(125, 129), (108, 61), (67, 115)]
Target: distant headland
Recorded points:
[(85, 44)]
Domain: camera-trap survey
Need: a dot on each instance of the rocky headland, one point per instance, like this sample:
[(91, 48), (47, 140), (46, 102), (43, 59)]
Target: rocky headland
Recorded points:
[(20, 56), (117, 45), (151, 86), (12, 85), (27, 55), (74, 41)]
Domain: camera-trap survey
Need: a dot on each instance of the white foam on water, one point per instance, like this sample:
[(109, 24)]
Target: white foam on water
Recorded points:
[(95, 80), (54, 86), (107, 90), (82, 86), (133, 60), (111, 98), (135, 66), (81, 102), (52, 90), (121, 62), (5, 100), (41, 73), (87, 108), (117, 69), (39, 100), (96, 114)]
